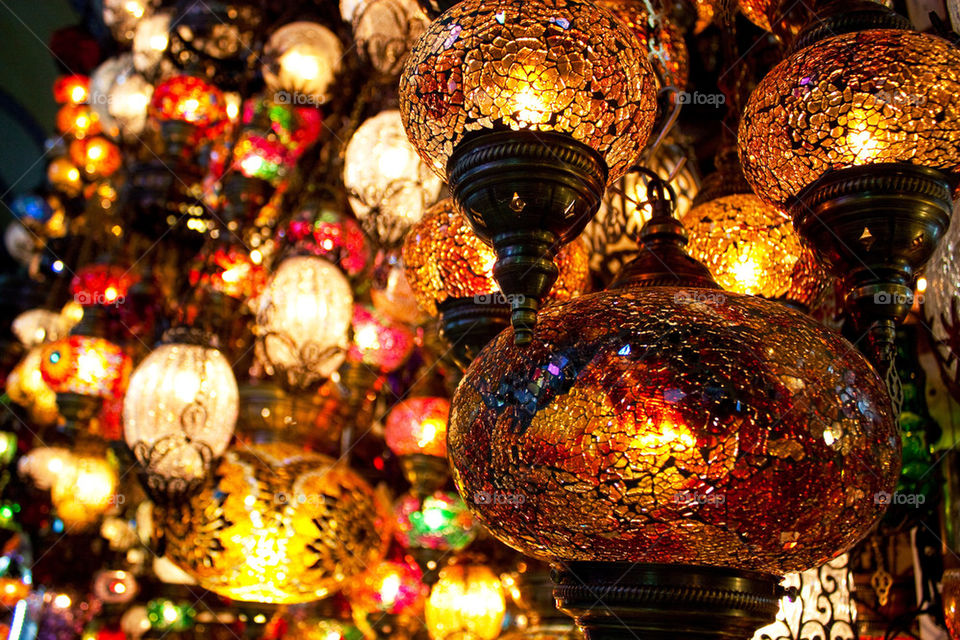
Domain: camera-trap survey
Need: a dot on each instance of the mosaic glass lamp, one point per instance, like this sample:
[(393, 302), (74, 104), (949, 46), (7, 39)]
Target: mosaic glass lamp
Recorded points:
[(856, 135), (277, 525), (452, 274), (673, 446), (528, 110)]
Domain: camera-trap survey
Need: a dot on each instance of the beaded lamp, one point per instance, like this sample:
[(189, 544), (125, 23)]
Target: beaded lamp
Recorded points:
[(528, 109)]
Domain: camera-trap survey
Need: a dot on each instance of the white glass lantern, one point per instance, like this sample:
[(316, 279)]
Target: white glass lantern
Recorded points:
[(390, 187), (122, 16), (150, 41), (303, 319), (301, 60), (384, 30), (179, 411)]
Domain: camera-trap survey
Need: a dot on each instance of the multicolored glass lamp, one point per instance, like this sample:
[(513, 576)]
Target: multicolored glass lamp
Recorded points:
[(527, 109), (856, 135), (673, 449)]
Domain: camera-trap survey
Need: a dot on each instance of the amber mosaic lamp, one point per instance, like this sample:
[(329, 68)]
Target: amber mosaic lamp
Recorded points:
[(528, 109), (673, 449), (451, 273), (857, 135)]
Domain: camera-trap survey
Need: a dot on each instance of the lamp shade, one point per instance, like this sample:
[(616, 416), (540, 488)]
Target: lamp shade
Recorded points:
[(390, 186), (751, 247), (467, 602), (188, 99), (565, 66), (180, 410), (301, 60), (659, 424), (663, 40), (303, 316), (384, 30), (445, 259), (277, 525), (862, 98), (418, 426), (438, 521), (85, 365)]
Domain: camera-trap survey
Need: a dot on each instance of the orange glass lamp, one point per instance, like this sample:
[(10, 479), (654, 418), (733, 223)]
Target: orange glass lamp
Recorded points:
[(97, 156), (663, 39), (83, 371), (673, 446), (857, 136), (387, 601), (749, 246), (379, 341), (185, 106), (467, 602), (528, 109), (951, 602), (416, 432), (451, 271), (86, 493), (277, 525), (72, 89)]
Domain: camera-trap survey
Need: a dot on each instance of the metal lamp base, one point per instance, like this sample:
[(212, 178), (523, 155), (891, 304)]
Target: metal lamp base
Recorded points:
[(468, 324), (526, 193), (613, 600), (874, 227)]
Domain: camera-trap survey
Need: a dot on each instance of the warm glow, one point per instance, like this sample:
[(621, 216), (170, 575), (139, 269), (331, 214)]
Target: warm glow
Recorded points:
[(467, 601), (62, 601), (666, 434), (299, 64), (921, 284), (746, 273)]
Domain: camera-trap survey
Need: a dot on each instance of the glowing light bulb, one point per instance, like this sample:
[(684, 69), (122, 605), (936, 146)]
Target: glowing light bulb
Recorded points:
[(295, 63), (62, 601)]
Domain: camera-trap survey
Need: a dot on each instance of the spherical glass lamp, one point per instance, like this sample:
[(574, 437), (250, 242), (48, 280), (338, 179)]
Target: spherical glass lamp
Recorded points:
[(390, 186), (941, 306), (83, 495), (752, 248), (951, 601), (467, 602), (387, 600), (188, 99), (43, 465), (665, 422), (179, 412), (664, 41), (150, 41), (86, 366), (122, 16), (320, 228), (301, 60), (26, 387), (277, 525), (72, 89), (857, 135), (418, 426), (303, 318), (96, 156), (437, 522), (416, 432), (451, 272), (853, 100), (379, 341), (522, 66), (528, 110), (384, 30)]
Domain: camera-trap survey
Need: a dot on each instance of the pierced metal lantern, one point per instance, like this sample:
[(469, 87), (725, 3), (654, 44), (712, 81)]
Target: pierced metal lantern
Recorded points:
[(179, 413), (857, 136), (822, 607), (278, 525), (527, 109), (674, 447)]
